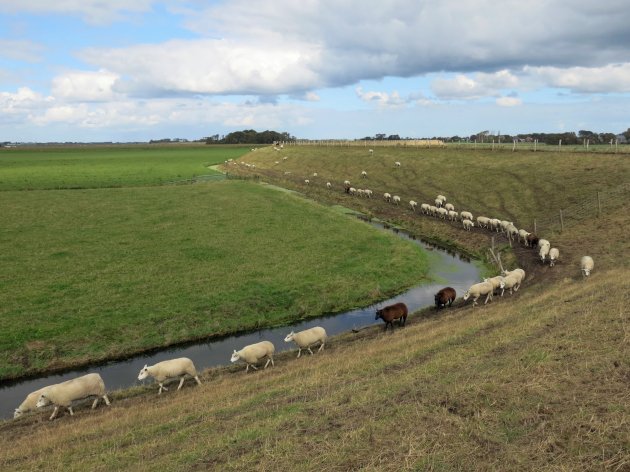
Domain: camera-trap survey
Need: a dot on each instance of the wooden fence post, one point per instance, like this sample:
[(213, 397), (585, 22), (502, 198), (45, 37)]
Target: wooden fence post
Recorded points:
[(535, 232), (561, 222)]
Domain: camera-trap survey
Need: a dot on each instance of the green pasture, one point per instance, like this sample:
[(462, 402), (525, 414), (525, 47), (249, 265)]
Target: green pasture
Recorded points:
[(96, 273), (55, 167)]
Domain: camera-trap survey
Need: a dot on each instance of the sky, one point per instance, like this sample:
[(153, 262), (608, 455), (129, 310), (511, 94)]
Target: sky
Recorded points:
[(136, 70)]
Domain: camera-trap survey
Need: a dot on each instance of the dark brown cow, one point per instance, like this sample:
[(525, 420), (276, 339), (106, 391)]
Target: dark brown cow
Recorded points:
[(444, 297), (397, 311)]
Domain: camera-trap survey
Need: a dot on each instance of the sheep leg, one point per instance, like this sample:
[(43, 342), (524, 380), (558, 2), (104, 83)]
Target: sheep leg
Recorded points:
[(309, 350), (252, 366), (107, 402), (197, 379), (95, 402), (299, 353), (181, 382), (70, 410), (489, 297), (321, 347), (54, 413)]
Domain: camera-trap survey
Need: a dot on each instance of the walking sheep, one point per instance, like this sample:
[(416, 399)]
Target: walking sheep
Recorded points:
[(63, 394), (396, 199), (466, 215), (587, 264), (445, 296), (30, 402), (328, 185), (397, 311), (397, 164), (450, 207), (387, 197), (477, 290), (425, 208), (554, 254), (511, 282), (253, 353), (170, 369), (468, 224), (305, 339), (413, 205), (363, 174), (543, 251)]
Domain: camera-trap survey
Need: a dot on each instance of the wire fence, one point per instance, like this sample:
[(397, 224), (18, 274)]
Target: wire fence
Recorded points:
[(594, 206)]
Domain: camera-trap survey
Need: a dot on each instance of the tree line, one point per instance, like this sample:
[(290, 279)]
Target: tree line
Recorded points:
[(250, 136)]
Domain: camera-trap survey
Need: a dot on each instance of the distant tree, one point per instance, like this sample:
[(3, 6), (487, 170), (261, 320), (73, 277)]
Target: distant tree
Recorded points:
[(380, 136), (393, 137)]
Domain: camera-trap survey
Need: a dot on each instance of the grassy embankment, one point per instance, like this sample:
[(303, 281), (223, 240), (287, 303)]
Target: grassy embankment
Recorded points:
[(94, 274), (537, 381)]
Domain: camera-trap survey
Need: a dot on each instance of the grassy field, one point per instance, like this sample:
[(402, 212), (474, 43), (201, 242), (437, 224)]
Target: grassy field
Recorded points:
[(534, 381), (107, 166), (100, 273)]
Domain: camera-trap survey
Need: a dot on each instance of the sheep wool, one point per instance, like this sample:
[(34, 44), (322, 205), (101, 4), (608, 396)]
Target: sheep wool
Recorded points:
[(170, 369), (253, 353), (305, 339), (30, 402), (587, 264), (63, 394)]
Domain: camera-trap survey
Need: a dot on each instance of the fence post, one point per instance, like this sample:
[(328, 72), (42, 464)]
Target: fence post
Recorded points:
[(561, 222), (559, 144), (535, 144), (535, 232), (599, 205), (514, 145)]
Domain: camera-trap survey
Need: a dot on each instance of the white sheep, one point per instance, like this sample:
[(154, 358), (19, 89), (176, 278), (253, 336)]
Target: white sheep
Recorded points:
[(453, 215), (307, 338), (371, 151), (495, 224), (505, 224), (425, 208), (438, 202), (346, 182), (64, 393), (496, 282), (387, 197), (522, 235), (483, 221), (587, 264), (368, 193), (314, 174), (543, 242), (543, 252), (30, 402), (170, 369), (253, 353), (466, 215), (306, 181), (413, 204), (442, 213), (328, 185), (443, 198), (396, 199), (363, 174), (519, 273), (433, 210), (468, 224), (397, 164), (360, 192), (352, 191), (512, 231), (449, 207), (511, 282), (554, 254), (477, 290)]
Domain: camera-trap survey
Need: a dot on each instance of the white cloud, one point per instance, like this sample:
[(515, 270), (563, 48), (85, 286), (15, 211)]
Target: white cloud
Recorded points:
[(211, 67), (509, 101), (463, 87), (612, 78), (93, 11), (382, 99), (85, 86), (20, 50)]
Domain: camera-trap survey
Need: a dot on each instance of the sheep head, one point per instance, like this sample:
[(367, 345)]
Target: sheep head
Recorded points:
[(235, 356), (289, 337), (144, 372)]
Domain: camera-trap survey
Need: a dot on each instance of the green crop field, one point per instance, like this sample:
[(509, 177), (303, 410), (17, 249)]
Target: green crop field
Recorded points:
[(51, 167)]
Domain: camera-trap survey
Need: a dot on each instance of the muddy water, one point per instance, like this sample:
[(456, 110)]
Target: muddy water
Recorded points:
[(448, 268)]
